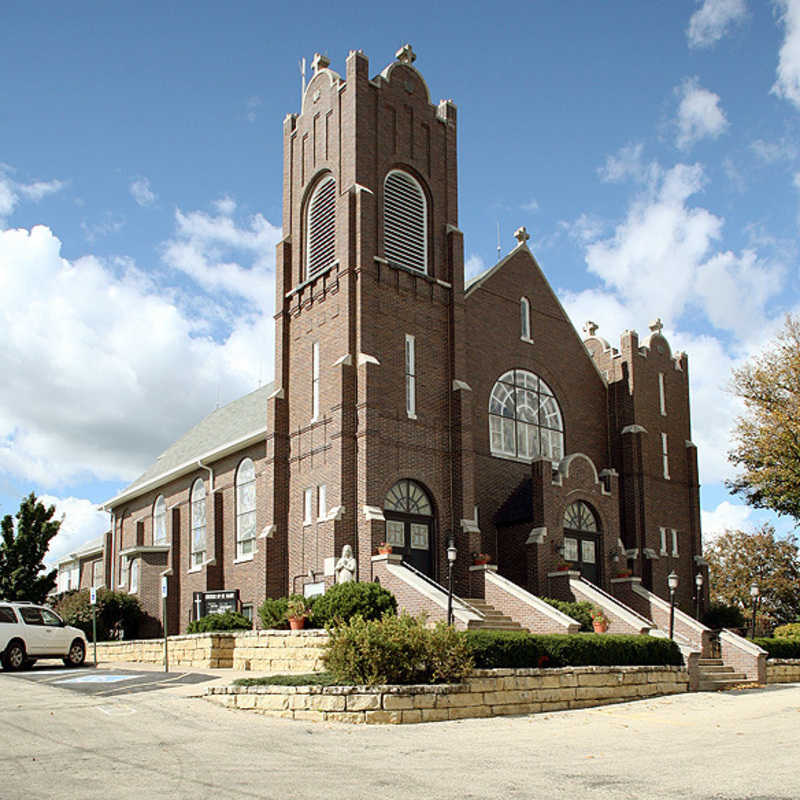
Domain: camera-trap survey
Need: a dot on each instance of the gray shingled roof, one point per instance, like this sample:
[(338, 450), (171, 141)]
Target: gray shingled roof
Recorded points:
[(241, 418)]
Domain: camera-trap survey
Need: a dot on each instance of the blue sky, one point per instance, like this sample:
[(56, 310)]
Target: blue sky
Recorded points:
[(651, 149)]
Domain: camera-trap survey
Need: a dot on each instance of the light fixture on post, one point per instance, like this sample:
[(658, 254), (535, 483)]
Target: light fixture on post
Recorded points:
[(698, 582), (672, 582), (754, 594), (451, 559)]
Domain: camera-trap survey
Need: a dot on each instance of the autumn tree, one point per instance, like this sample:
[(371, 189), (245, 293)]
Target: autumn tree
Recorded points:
[(738, 559), (767, 436), (22, 551)]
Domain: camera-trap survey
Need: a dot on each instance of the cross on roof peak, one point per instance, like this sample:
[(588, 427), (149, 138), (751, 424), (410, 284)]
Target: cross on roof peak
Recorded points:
[(522, 235), (320, 62), (656, 326), (406, 55), (590, 328)]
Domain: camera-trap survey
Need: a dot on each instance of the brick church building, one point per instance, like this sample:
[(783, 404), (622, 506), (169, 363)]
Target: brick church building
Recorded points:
[(411, 407)]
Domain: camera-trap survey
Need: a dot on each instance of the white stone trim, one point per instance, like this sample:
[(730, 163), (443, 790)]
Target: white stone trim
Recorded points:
[(365, 358), (154, 548), (690, 443), (245, 559), (461, 385), (335, 514), (374, 513), (632, 552), (659, 602), (536, 536), (268, 532), (648, 552), (347, 360), (444, 283), (509, 587), (603, 600), (470, 526), (740, 642), (278, 393), (700, 561), (634, 429)]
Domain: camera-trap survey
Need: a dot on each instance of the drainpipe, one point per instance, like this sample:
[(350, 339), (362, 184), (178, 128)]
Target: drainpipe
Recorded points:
[(109, 578), (210, 475)]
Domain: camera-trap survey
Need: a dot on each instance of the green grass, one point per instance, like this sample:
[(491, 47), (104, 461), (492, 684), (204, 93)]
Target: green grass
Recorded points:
[(309, 679)]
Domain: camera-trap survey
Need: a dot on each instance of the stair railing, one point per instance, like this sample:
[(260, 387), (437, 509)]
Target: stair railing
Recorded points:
[(456, 599)]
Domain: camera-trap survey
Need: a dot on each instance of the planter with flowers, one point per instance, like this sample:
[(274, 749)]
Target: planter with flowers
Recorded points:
[(600, 621), (624, 573), (479, 559), (297, 611), (384, 548)]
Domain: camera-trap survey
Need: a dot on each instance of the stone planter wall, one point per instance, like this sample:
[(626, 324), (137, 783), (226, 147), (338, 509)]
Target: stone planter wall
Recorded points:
[(783, 670), (190, 650), (293, 652), (486, 693)]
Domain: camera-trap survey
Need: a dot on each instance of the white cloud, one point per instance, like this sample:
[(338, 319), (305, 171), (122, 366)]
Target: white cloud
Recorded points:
[(142, 193), (108, 225), (532, 205), (699, 114), (253, 104), (713, 20), (787, 84), (771, 152), (628, 162), (726, 516), (12, 192), (81, 523), (473, 266)]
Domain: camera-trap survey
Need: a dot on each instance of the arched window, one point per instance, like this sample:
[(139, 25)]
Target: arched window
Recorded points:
[(524, 418), (409, 524), (160, 520), (525, 319), (405, 222), (134, 576), (408, 497), (198, 544), (245, 509), (580, 517), (321, 227)]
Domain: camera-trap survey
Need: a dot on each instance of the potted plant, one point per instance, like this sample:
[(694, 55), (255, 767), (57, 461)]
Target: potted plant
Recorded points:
[(297, 611), (624, 573), (563, 566), (384, 548), (481, 558), (599, 620)]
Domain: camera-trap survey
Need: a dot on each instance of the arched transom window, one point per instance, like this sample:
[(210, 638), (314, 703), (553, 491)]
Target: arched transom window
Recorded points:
[(160, 520), (405, 222), (198, 543), (321, 227), (524, 418), (579, 517), (408, 497), (245, 509)]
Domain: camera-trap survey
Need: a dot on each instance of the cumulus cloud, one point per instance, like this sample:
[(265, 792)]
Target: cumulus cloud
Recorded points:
[(713, 20), (726, 516), (787, 84), (12, 192), (699, 114), (473, 266), (81, 522), (142, 193), (772, 152)]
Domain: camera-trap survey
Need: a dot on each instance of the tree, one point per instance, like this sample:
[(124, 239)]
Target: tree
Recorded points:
[(767, 437), (738, 559), (22, 552)]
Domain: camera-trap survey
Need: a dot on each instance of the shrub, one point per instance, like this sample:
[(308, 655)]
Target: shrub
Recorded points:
[(309, 679), (396, 650), (791, 631), (272, 613), (227, 621), (344, 601), (721, 615), (580, 612), (493, 649), (779, 646), (117, 613)]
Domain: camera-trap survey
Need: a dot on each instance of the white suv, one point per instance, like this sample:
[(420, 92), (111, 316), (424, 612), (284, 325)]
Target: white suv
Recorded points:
[(29, 631)]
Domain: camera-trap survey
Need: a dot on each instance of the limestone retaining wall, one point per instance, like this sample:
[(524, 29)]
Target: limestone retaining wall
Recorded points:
[(783, 670), (486, 693), (190, 650)]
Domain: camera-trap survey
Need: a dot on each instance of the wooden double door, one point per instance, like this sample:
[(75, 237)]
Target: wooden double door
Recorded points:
[(411, 536)]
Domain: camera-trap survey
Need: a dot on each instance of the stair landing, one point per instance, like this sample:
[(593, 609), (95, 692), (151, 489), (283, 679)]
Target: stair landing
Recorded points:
[(714, 676), (492, 620)]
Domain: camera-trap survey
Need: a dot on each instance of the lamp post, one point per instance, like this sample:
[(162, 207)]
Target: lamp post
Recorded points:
[(672, 582), (698, 582), (754, 594), (451, 559)]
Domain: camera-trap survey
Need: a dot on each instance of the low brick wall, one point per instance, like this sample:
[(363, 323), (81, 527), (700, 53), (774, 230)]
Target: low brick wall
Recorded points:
[(486, 693), (262, 651), (783, 670)]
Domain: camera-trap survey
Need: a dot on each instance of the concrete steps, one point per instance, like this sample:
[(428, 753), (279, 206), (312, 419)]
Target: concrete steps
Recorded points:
[(492, 620), (714, 676)]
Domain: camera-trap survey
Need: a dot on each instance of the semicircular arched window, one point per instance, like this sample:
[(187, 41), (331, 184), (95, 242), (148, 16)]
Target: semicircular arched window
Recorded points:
[(245, 509), (580, 517), (321, 227), (160, 520), (405, 222), (198, 506), (408, 497), (524, 418)]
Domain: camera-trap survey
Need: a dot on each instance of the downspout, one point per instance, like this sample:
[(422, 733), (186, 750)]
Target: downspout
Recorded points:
[(210, 475), (110, 578)]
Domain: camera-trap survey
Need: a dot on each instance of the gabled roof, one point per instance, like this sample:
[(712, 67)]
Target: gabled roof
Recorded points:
[(88, 549), (231, 427), (476, 281)]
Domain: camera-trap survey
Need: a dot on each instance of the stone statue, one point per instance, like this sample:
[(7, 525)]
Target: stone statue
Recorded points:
[(346, 566)]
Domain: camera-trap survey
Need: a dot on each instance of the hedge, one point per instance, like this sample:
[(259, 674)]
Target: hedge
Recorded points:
[(779, 646), (227, 621), (117, 613), (791, 630), (579, 611), (493, 649), (344, 601)]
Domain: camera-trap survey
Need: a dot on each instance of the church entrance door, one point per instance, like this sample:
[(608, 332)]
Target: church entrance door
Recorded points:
[(409, 524), (582, 541)]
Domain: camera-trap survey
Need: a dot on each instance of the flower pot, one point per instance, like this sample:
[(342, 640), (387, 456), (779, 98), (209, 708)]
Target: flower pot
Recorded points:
[(478, 562), (385, 550), (297, 623), (599, 627)]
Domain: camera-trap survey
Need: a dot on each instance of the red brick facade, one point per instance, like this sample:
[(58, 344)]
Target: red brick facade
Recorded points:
[(356, 314)]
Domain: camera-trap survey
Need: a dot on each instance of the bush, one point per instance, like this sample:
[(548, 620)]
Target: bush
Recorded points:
[(309, 679), (580, 612), (227, 621), (344, 601), (721, 615), (117, 613), (493, 649), (789, 631), (274, 611), (399, 650), (780, 646)]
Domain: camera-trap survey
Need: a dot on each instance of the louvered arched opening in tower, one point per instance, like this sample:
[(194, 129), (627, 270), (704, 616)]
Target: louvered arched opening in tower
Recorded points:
[(405, 222), (321, 228)]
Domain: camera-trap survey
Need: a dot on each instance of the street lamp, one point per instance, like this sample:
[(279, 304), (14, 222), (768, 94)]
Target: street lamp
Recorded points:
[(698, 582), (451, 559), (754, 594), (672, 582)]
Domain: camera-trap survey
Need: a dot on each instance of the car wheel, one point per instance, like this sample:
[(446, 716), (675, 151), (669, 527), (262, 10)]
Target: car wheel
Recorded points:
[(14, 656), (76, 655)]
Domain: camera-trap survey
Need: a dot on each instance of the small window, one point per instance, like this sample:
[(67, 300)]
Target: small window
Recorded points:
[(198, 544), (124, 565), (160, 520), (314, 381), (662, 398), (665, 455), (525, 319), (674, 542), (97, 574), (247, 612), (245, 509), (663, 533), (308, 504), (321, 228), (134, 576), (7, 615), (411, 377), (322, 502), (405, 222)]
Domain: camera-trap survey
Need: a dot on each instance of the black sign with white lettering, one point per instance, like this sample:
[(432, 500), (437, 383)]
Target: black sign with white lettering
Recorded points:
[(220, 602)]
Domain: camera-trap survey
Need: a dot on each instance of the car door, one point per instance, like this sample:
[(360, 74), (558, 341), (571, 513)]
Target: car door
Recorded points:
[(55, 634), (33, 630)]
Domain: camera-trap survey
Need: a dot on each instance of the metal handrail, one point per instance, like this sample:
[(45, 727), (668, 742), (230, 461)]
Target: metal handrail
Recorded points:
[(429, 580)]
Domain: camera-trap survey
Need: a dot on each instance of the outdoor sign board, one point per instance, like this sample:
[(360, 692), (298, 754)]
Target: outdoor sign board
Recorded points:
[(218, 602)]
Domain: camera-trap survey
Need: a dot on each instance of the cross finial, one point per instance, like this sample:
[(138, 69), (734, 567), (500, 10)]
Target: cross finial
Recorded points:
[(320, 62), (590, 328), (656, 325), (521, 235), (405, 55)]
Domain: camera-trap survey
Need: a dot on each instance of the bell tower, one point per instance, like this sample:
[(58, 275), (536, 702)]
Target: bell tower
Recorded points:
[(371, 413)]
